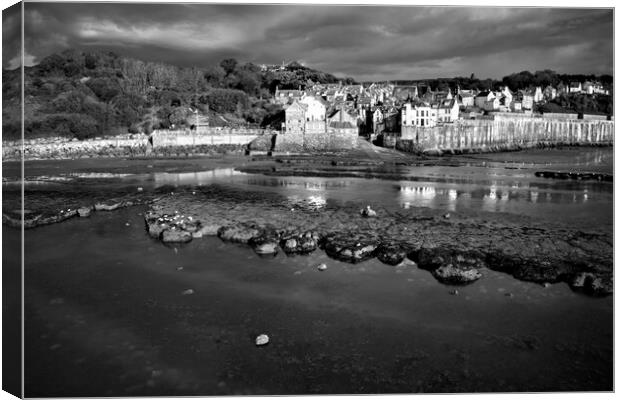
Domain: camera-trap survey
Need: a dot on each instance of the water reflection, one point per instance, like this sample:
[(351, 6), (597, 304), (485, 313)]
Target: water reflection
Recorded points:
[(493, 198), (195, 178)]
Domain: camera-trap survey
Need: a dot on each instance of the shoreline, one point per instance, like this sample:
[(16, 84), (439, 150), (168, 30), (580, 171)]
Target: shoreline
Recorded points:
[(136, 147)]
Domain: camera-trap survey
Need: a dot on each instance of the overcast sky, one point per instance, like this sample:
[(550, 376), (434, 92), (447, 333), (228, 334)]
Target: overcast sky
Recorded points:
[(365, 42)]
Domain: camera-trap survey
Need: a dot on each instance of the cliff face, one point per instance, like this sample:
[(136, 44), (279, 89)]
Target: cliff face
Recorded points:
[(486, 135)]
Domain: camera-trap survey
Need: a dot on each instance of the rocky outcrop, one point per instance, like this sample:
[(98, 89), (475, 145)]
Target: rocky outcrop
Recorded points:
[(238, 233), (391, 254), (350, 248), (299, 243), (450, 265)]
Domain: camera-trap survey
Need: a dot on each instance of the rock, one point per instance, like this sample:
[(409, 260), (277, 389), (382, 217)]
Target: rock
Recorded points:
[(239, 233), (368, 212), (454, 292), (140, 189), (188, 291), (446, 216), (303, 243), (179, 268), (456, 274), (321, 267), (592, 284), (391, 254), (155, 229), (345, 248), (175, 236), (106, 207), (84, 211), (268, 248), (546, 285), (262, 340)]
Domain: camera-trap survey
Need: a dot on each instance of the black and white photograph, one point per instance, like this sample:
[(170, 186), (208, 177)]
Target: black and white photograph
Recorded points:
[(258, 199)]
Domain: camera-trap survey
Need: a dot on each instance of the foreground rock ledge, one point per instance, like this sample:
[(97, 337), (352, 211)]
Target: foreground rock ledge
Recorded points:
[(455, 251)]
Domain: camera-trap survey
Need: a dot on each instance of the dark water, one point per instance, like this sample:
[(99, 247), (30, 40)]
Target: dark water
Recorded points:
[(105, 315)]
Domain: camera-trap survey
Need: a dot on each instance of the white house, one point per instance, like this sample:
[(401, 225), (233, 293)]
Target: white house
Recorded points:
[(447, 111), (421, 114), (538, 95), (316, 108), (575, 87)]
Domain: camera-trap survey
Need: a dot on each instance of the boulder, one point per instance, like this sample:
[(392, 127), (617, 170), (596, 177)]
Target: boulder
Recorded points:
[(391, 254), (456, 274), (265, 243), (348, 249), (269, 248), (84, 211), (173, 235), (239, 233), (303, 243), (592, 284), (106, 207)]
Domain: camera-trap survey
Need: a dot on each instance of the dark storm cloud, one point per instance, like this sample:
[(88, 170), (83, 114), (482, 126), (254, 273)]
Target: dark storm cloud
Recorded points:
[(11, 36), (367, 42)]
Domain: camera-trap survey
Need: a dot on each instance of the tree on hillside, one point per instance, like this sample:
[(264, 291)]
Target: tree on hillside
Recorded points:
[(228, 65)]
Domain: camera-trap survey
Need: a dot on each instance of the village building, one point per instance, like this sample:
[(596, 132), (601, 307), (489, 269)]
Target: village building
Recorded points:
[(575, 87), (538, 95), (340, 121), (305, 116), (405, 93), (516, 106), (447, 111), (550, 93), (465, 97), (419, 114), (285, 97), (527, 99), (483, 97), (295, 117)]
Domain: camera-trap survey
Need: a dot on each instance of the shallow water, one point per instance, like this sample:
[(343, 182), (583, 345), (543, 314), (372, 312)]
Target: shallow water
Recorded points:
[(489, 182), (105, 315)]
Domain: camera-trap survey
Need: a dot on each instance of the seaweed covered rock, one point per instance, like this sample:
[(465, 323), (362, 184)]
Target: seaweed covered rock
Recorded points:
[(238, 233), (265, 243), (391, 254), (592, 284), (350, 249), (174, 235), (450, 266), (299, 243), (456, 274)]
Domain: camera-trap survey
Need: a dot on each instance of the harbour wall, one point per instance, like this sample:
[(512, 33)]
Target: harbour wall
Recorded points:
[(501, 134), (324, 141), (161, 143)]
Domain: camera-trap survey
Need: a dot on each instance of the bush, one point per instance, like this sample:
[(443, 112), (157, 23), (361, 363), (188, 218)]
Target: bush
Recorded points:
[(225, 100)]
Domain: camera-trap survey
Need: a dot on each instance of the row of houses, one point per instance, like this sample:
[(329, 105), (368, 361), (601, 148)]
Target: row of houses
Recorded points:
[(386, 107)]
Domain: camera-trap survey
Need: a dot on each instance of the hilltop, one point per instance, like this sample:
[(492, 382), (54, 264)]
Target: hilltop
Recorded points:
[(87, 94)]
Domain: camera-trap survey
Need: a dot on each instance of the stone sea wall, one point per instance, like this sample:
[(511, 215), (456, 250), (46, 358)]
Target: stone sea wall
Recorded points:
[(161, 143), (212, 137), (64, 148), (502, 134), (329, 141)]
